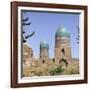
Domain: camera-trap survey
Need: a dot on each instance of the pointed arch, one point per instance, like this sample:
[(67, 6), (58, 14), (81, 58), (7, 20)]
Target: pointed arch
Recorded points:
[(64, 60)]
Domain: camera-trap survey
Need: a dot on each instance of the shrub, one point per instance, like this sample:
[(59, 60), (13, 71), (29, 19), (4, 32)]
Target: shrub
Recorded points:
[(56, 71)]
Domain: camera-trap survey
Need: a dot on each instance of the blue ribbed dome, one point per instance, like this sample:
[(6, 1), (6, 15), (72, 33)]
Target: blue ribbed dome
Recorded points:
[(44, 44), (62, 32)]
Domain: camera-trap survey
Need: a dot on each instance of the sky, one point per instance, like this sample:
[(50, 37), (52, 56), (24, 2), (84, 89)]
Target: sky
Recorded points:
[(45, 24)]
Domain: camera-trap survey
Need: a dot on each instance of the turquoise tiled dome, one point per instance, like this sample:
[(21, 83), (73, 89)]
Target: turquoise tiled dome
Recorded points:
[(44, 44), (62, 32)]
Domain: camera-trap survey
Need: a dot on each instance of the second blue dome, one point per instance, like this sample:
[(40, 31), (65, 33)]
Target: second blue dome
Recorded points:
[(44, 44)]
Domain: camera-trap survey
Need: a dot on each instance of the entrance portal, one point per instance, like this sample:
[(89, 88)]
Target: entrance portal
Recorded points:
[(63, 62)]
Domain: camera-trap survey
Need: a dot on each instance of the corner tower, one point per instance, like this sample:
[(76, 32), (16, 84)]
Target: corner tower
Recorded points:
[(44, 53), (62, 45)]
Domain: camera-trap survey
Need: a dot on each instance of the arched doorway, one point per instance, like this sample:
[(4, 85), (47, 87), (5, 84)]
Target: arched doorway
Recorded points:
[(43, 61), (63, 52), (63, 62)]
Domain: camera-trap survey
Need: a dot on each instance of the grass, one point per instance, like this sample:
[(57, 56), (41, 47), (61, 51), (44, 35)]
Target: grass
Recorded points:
[(50, 69), (72, 68)]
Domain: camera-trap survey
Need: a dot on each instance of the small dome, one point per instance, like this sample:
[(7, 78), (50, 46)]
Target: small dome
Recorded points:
[(44, 44), (62, 32)]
